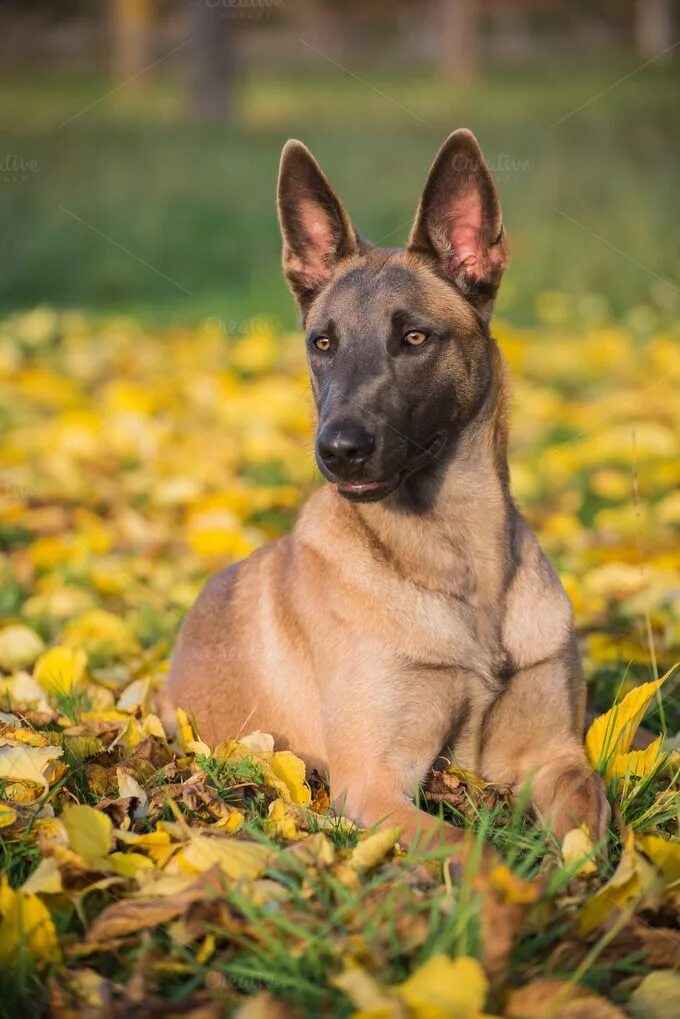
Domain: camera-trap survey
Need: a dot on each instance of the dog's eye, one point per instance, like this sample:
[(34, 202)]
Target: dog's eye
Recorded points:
[(322, 343), (415, 338)]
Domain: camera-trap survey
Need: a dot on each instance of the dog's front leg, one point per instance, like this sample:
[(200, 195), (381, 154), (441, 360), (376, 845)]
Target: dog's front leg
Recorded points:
[(532, 734)]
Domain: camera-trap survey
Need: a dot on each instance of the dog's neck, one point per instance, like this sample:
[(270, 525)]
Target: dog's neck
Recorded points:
[(459, 509)]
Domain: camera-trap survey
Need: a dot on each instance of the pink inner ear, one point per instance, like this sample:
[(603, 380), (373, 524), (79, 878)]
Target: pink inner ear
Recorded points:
[(320, 242), (465, 234)]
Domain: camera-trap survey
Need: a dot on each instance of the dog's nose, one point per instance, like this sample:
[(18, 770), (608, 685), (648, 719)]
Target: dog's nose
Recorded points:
[(343, 446)]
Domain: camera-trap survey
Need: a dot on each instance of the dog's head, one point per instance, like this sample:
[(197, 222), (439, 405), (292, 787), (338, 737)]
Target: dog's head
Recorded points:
[(398, 342)]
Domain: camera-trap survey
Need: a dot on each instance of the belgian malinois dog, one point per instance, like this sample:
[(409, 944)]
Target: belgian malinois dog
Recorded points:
[(411, 613)]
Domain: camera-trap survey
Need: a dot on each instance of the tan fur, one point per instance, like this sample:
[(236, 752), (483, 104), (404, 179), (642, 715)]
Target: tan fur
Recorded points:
[(347, 641), (371, 640)]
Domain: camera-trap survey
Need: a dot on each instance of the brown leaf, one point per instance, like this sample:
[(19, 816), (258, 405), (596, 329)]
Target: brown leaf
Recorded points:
[(265, 1006), (130, 916), (558, 999)]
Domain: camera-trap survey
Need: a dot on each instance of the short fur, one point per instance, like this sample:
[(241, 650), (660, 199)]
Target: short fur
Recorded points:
[(411, 612)]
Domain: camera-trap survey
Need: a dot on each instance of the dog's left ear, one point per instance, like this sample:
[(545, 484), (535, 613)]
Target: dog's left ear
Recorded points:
[(459, 222)]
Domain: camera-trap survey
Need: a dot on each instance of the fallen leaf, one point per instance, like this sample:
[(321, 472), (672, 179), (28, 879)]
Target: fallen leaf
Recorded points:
[(19, 647), (284, 820), (266, 1006), (291, 771), (657, 997), (632, 879), (637, 763), (558, 999), (612, 733), (45, 879), (365, 992), (60, 669), (446, 988), (664, 854), (372, 849), (577, 852), (129, 787), (89, 833), (132, 915), (27, 764), (8, 815), (26, 929), (235, 858)]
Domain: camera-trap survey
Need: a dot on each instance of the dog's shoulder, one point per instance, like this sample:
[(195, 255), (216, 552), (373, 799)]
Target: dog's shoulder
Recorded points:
[(538, 618)]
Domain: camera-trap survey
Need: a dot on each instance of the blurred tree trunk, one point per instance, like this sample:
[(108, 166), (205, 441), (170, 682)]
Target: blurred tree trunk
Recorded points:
[(459, 55), (131, 22), (213, 53), (654, 26)]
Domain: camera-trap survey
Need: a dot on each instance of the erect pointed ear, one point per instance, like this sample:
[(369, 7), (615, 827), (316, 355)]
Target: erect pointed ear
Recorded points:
[(316, 230), (459, 222)]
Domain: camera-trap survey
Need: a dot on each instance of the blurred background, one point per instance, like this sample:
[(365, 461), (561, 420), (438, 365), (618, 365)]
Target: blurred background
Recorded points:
[(140, 144)]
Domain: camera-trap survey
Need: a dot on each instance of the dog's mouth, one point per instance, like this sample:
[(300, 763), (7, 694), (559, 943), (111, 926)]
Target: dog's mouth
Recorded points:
[(373, 491)]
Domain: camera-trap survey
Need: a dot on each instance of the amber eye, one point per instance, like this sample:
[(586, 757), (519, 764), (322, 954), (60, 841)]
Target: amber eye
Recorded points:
[(322, 343), (415, 338)]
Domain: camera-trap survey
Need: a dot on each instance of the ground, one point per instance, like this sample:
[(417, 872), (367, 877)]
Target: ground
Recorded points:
[(155, 423), (141, 871)]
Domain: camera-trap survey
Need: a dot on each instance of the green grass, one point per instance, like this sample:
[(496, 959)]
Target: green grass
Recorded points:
[(196, 203)]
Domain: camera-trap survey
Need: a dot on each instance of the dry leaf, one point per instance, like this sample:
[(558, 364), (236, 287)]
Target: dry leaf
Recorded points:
[(28, 764), (612, 733), (19, 647), (372, 849), (60, 669), (89, 834), (578, 851), (131, 915), (657, 997), (558, 999), (26, 929), (235, 858), (446, 988)]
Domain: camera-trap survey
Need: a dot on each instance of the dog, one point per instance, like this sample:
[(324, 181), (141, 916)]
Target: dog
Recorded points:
[(411, 613)]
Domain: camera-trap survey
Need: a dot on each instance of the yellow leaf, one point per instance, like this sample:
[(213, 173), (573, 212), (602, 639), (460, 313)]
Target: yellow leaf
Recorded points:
[(206, 949), (365, 992), (373, 849), (15, 735), (638, 762), (577, 852), (291, 770), (19, 647), (134, 696), (237, 859), (129, 864), (60, 669), (89, 833), (27, 764), (613, 732), (188, 740), (97, 630), (657, 997), (664, 854), (548, 998), (513, 888), (8, 815), (444, 988), (153, 726), (45, 879), (284, 820), (26, 929), (128, 786), (633, 878)]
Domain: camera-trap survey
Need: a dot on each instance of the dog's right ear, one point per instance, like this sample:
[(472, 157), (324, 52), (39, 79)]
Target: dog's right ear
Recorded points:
[(317, 231), (459, 223)]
